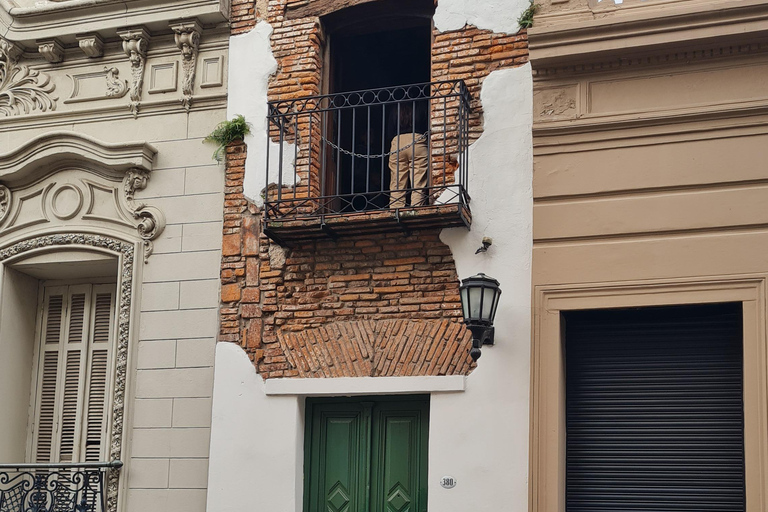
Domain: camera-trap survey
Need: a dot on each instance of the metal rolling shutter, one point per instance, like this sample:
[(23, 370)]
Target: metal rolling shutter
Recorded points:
[(654, 410)]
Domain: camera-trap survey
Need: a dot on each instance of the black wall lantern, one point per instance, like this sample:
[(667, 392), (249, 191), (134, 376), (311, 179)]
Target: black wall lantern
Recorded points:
[(479, 300)]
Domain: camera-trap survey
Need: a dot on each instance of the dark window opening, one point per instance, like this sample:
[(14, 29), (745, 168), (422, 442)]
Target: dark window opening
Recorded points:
[(381, 53)]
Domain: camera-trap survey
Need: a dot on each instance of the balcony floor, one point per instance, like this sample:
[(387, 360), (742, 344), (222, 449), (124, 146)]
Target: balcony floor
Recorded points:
[(306, 229)]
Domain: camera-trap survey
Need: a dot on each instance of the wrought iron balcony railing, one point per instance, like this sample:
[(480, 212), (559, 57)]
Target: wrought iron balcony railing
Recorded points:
[(55, 487), (401, 150)]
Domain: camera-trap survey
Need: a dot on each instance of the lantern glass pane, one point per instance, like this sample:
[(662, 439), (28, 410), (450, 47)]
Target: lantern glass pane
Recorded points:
[(464, 302), (474, 302), (488, 296), (495, 305)]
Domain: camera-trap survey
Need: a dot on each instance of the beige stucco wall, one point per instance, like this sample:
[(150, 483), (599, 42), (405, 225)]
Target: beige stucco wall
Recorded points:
[(170, 379), (649, 189)]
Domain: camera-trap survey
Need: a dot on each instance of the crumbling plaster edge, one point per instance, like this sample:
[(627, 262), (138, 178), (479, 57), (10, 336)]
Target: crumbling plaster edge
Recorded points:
[(248, 96)]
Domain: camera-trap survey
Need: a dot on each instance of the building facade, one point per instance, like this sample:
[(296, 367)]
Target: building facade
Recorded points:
[(283, 330), (110, 214), (343, 379), (649, 344)]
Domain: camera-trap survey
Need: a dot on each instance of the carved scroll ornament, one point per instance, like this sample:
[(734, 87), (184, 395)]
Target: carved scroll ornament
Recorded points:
[(22, 89), (151, 219), (5, 202)]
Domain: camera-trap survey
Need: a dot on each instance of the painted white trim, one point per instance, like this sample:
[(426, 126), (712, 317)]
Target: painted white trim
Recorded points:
[(349, 386)]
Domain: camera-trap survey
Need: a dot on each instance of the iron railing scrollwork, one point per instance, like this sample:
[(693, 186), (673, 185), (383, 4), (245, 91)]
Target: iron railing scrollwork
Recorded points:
[(56, 487), (376, 149)]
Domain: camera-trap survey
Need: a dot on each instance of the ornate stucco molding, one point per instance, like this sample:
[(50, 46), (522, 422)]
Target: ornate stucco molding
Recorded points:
[(125, 166), (135, 44), (116, 88), (5, 202), (126, 251), (187, 34), (151, 220), (22, 89)]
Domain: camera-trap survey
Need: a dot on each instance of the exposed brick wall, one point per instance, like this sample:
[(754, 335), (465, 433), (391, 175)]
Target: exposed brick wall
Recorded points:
[(367, 306), (361, 306), (471, 54), (242, 17)]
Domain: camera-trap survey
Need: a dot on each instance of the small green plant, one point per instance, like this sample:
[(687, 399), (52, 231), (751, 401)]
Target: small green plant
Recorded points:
[(526, 18), (226, 132)]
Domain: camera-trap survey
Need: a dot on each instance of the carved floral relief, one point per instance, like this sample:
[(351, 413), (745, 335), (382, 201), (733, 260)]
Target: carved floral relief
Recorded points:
[(22, 89)]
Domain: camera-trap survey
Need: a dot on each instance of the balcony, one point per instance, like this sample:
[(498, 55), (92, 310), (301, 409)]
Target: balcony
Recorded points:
[(368, 162), (56, 487)]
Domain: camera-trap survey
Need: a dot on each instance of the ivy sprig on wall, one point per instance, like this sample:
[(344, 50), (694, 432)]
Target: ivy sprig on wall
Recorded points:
[(227, 132), (526, 18)]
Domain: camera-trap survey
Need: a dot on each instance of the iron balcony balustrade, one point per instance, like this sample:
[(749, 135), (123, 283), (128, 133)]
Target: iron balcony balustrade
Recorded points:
[(369, 161), (56, 487)]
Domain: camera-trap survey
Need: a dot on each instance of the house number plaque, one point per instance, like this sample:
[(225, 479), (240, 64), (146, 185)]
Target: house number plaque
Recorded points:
[(448, 482)]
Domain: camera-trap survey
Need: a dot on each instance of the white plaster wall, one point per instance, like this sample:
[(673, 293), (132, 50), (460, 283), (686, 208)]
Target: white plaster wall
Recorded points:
[(480, 437), (256, 443), (496, 15), (248, 85)]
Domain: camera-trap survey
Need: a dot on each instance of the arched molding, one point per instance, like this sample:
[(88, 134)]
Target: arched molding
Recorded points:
[(32, 158), (65, 181), (125, 252)]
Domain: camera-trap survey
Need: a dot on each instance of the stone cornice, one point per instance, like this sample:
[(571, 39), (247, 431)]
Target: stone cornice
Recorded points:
[(654, 30), (64, 20), (58, 146)]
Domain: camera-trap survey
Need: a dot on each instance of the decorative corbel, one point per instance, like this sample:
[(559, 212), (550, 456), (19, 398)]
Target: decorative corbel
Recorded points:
[(135, 43), (92, 45), (5, 202), (51, 50), (151, 220), (187, 35)]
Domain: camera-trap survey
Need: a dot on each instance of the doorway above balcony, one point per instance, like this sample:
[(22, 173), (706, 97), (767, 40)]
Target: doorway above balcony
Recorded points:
[(385, 149)]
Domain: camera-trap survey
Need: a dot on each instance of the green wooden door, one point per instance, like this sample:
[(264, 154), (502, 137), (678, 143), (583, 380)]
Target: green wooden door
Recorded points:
[(366, 456)]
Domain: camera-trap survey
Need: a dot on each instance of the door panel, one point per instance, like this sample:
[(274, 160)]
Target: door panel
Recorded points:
[(366, 456)]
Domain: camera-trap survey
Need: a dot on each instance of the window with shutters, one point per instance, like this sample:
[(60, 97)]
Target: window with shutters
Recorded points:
[(366, 455), (71, 383)]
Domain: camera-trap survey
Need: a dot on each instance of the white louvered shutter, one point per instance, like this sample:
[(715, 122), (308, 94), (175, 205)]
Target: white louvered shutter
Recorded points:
[(48, 372), (73, 372), (98, 372)]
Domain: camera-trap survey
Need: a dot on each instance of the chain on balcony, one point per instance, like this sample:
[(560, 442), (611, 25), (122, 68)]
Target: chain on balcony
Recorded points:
[(381, 149), (55, 487)]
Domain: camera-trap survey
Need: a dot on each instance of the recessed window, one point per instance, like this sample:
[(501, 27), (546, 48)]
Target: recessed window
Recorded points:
[(71, 384)]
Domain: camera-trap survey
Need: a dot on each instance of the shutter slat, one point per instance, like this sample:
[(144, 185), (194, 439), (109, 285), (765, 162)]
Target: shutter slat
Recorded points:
[(102, 318), (97, 393), (47, 407), (53, 323), (69, 416), (654, 412)]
